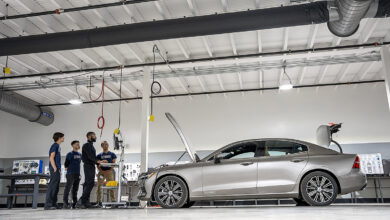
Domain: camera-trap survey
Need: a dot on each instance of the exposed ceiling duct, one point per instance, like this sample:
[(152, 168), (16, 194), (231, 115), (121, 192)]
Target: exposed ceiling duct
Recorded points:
[(304, 14), (343, 17), (351, 12), (25, 108)]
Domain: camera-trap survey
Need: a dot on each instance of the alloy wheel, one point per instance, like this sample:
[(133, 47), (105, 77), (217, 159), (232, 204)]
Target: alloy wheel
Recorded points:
[(170, 192), (320, 189)]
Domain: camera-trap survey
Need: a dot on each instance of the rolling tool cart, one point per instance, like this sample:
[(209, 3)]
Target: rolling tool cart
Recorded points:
[(118, 140)]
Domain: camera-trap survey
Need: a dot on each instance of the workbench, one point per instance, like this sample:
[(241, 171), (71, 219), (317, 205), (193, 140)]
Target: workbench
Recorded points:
[(12, 192)]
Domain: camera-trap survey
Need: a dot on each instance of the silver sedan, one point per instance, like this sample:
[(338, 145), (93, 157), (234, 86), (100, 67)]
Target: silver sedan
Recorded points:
[(255, 169)]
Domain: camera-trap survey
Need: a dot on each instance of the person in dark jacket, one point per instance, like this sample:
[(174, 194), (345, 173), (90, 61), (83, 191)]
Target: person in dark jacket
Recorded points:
[(90, 160), (72, 166), (55, 172)]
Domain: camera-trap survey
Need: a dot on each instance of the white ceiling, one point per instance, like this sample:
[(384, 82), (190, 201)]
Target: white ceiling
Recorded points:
[(371, 30)]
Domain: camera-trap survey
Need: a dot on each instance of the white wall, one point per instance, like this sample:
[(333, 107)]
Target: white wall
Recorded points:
[(211, 123)]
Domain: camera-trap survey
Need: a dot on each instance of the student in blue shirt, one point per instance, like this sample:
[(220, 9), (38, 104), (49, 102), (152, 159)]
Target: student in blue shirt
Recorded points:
[(105, 173), (72, 166), (55, 172)]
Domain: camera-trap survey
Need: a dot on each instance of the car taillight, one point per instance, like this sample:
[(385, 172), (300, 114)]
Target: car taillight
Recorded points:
[(356, 164)]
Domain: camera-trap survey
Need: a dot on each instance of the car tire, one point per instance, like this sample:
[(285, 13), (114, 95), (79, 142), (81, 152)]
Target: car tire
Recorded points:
[(319, 189), (171, 192), (300, 202), (189, 204)]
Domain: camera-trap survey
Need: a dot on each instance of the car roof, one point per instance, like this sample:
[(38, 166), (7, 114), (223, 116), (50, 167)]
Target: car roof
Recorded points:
[(313, 149)]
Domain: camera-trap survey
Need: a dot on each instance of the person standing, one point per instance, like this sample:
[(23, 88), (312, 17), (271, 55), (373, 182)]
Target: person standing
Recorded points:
[(55, 172), (72, 166), (105, 173), (90, 160)]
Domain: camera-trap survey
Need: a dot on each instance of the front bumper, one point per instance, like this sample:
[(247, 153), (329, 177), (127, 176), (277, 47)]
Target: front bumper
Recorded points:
[(145, 186)]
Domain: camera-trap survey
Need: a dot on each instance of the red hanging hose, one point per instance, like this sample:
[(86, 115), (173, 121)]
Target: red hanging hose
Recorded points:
[(101, 121)]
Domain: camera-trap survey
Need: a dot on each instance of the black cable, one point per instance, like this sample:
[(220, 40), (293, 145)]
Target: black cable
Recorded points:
[(120, 97), (151, 86), (284, 71), (6, 65), (154, 82), (77, 91)]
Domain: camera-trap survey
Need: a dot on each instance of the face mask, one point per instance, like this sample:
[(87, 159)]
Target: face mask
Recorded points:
[(93, 139)]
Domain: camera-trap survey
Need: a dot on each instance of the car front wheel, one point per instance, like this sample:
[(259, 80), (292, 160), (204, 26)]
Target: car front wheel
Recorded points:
[(319, 189), (171, 192)]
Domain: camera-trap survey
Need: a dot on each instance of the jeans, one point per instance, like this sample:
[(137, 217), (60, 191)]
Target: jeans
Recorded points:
[(52, 190), (89, 173), (72, 181)]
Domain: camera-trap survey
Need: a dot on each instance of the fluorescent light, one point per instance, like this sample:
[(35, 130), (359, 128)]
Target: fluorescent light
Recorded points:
[(286, 86), (75, 101)]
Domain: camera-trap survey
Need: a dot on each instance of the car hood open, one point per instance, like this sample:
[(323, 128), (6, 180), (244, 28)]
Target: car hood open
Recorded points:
[(191, 153)]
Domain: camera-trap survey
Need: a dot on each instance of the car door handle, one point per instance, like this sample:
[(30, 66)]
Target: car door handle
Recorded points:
[(297, 160), (246, 163)]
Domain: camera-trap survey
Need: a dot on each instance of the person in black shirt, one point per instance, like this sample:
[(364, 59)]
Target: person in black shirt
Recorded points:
[(72, 166), (55, 172), (90, 160)]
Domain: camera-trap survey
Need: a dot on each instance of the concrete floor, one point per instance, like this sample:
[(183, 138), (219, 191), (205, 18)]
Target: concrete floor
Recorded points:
[(334, 212)]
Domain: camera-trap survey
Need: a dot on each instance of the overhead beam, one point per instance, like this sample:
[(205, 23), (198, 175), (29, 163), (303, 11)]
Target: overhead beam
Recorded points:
[(265, 56), (67, 10)]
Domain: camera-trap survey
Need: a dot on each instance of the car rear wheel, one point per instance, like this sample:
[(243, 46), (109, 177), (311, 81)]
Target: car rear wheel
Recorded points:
[(319, 189), (171, 192)]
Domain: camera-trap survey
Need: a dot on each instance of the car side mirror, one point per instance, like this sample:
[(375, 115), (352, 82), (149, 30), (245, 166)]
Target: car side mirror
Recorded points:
[(217, 158)]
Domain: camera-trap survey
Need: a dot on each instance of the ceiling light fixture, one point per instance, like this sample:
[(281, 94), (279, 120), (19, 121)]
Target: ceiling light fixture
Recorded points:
[(286, 86), (75, 101)]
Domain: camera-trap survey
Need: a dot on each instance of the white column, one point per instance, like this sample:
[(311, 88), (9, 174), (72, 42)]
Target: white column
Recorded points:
[(145, 113), (386, 69)]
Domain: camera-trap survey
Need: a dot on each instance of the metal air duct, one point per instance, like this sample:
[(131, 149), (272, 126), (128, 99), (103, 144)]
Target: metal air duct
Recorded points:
[(25, 108), (351, 12)]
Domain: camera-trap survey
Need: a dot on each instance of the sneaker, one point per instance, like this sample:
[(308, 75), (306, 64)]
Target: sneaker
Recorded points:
[(66, 205), (80, 205), (98, 205)]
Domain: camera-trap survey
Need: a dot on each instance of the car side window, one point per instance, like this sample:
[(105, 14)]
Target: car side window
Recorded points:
[(240, 151), (274, 148)]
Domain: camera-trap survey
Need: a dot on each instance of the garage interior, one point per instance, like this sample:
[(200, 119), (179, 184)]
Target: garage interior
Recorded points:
[(226, 70)]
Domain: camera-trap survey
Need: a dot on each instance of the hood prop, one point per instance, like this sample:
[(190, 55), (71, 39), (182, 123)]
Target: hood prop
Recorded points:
[(194, 157)]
